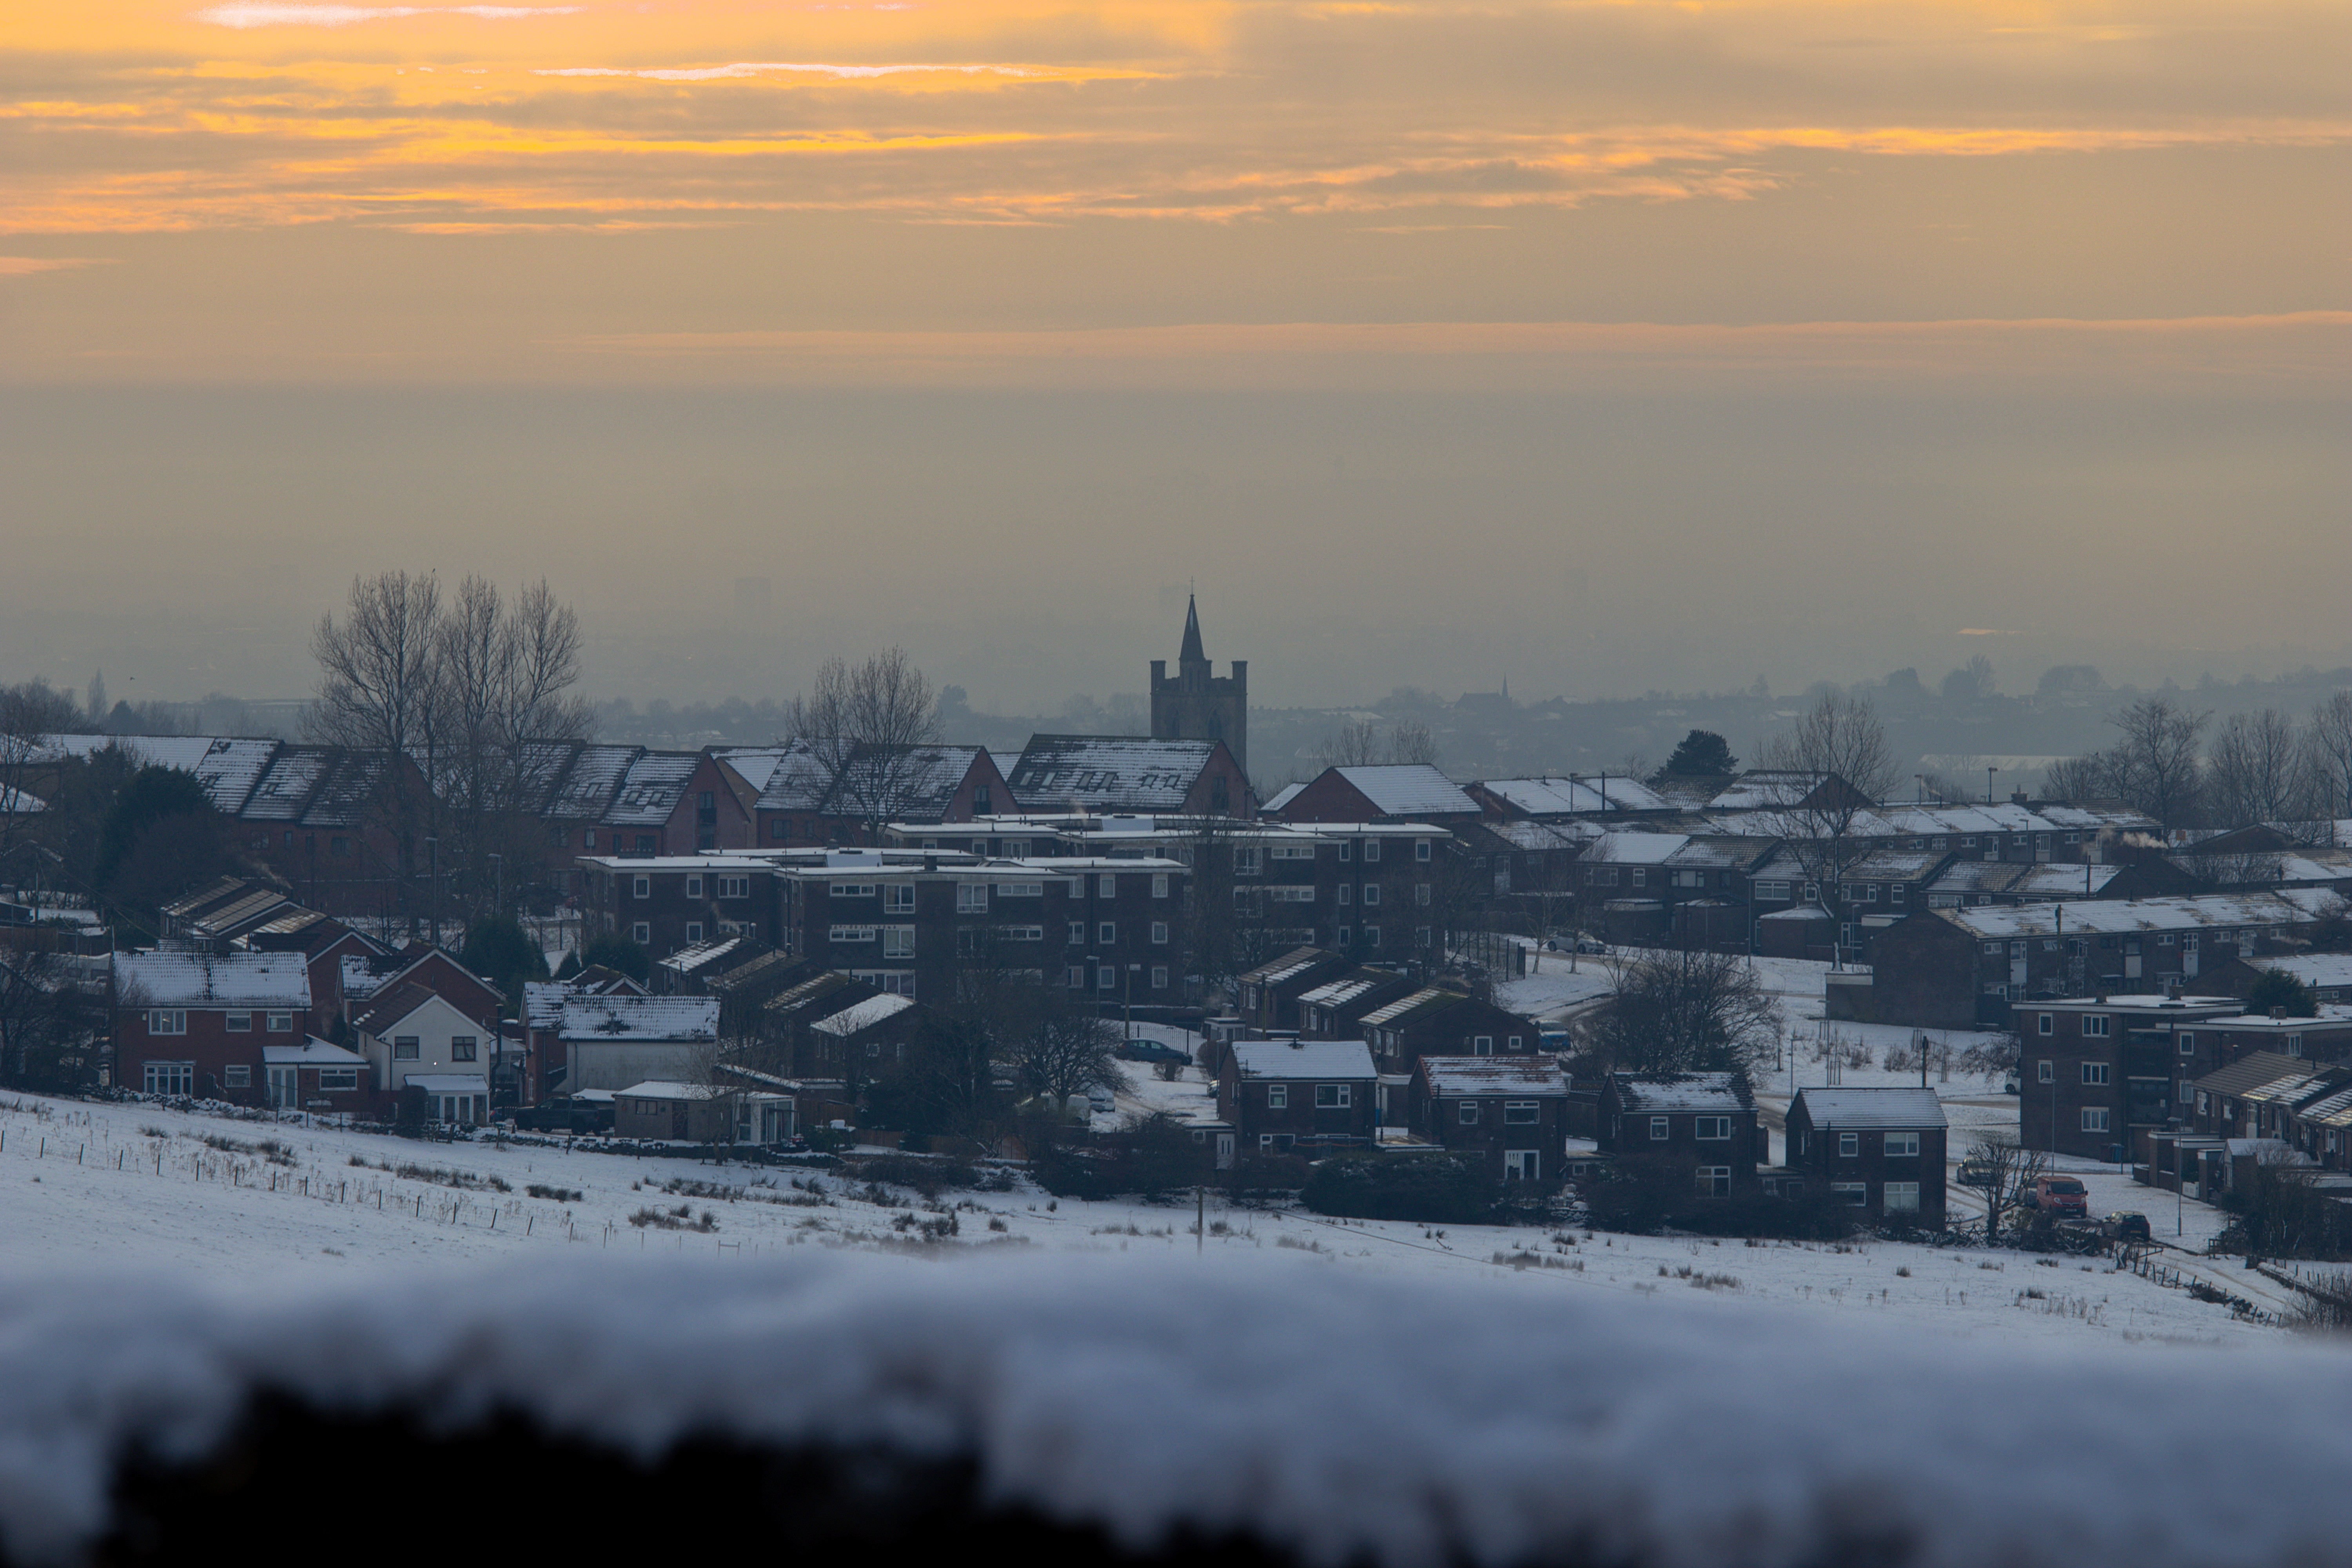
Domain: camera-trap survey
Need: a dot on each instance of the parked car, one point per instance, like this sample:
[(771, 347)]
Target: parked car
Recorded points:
[(2062, 1196), (1149, 1052), (2126, 1225), (1978, 1174)]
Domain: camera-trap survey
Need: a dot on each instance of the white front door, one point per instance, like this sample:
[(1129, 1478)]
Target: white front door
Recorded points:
[(1224, 1150), (285, 1088)]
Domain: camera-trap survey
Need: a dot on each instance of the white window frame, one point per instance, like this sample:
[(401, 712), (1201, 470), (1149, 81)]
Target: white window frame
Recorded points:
[(1711, 1128), (1107, 886), (1849, 1145), (237, 1023), (1855, 1193), (899, 942), (2097, 1026), (1107, 933), (2094, 1119), (236, 1075), (972, 897), (1278, 1097), (2095, 1074), (734, 886), (641, 887), (1901, 1146), (642, 933), (332, 1080), (1334, 1096), (1160, 884), (694, 887), (169, 1077), (1661, 1129), (1522, 1113), (898, 898), (168, 1021), (2045, 1072), (1899, 1197), (1465, 1112), (1160, 933), (1160, 977)]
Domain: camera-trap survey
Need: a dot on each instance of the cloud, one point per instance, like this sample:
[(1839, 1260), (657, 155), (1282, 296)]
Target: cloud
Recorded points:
[(247, 14), (838, 72), (25, 265)]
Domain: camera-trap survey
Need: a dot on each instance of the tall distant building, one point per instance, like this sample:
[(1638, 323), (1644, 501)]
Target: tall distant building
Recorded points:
[(1195, 705)]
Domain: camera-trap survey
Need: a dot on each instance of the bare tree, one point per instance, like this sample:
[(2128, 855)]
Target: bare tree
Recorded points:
[(2154, 768), (2079, 779), (49, 1022), (2260, 769), (29, 713), (378, 668), (1412, 743), (1839, 766), (1064, 1050), (1355, 745), (2331, 747), (865, 724), (1688, 1010), (2005, 1171)]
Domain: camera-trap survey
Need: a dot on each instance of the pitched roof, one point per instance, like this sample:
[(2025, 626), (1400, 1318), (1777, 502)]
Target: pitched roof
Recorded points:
[(797, 780), (586, 787), (2251, 1071), (1849, 1109), (1292, 965), (1652, 1091), (2320, 970), (640, 1018), (1409, 789), (210, 980), (1418, 1005), (864, 1014), (313, 1052), (1574, 796), (1109, 773), (1494, 1075), (387, 1010), (1636, 848), (1304, 1058), (2099, 916), (650, 789)]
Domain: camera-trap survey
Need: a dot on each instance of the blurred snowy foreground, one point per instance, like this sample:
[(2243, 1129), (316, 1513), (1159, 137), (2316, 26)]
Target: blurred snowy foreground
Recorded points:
[(1322, 1418)]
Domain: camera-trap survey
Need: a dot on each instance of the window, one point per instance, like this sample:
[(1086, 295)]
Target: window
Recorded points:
[(1659, 1128), (1522, 1165), (1601, 876), (734, 886), (1160, 977), (1345, 935), (239, 1023), (1333, 1095), (167, 1021), (1895, 892), (1371, 850), (1467, 1112), (1714, 1180), (1021, 933), (1854, 1193), (1421, 894), (1902, 1197), (2094, 1119), (1346, 852), (2095, 1072), (694, 930), (1640, 876), (898, 898), (1902, 1145), (1849, 1145), (641, 933), (1074, 976), (2295, 1044), (898, 942), (1107, 934), (1077, 934), (331, 1079), (1772, 891), (1160, 884), (780, 828), (641, 887), (2188, 1042), (237, 1075), (2048, 1025), (1371, 936), (1278, 1097), (2045, 1072), (853, 933), (1107, 978), (1347, 894), (278, 1023), (1711, 1128), (1303, 893), (1482, 1044), (171, 1077), (851, 889), (1020, 890), (1107, 887), (1522, 1113), (464, 1048), (1421, 936), (694, 887), (588, 838), (1160, 933), (403, 1047), (644, 843), (972, 897), (1372, 894), (1245, 860), (2095, 1024)]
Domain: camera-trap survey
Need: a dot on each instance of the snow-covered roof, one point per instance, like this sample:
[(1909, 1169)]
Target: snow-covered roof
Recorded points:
[(649, 792), (1683, 1091), (1409, 789), (448, 1083), (862, 1015), (17, 803), (587, 786), (1852, 1110), (1284, 797), (1761, 789), (313, 1052), (640, 1018), (755, 764), (1346, 989), (1574, 796), (1109, 773), (213, 980), (1636, 848), (2103, 916), (1427, 1000), (1304, 1058), (702, 955), (1452, 1076), (2320, 970), (663, 1088), (796, 780), (2252, 1070), (2001, 817)]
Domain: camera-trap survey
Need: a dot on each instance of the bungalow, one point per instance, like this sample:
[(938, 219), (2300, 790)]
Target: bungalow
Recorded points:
[(2220, 1109), (1509, 1111), (1281, 1095), (701, 1113), (1704, 1122), (1335, 1010), (1879, 1149)]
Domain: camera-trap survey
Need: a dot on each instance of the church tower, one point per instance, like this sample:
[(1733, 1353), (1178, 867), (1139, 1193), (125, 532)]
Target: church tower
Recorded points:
[(1195, 705)]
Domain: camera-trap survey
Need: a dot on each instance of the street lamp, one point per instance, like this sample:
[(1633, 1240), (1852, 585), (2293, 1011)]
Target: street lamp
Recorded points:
[(1990, 771)]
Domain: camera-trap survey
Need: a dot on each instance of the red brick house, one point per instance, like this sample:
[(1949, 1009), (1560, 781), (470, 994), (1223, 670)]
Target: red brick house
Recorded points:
[(1269, 993), (802, 804), (1438, 1022), (1508, 1111), (1304, 1095), (195, 1024), (1389, 792), (1879, 1149), (1703, 1121)]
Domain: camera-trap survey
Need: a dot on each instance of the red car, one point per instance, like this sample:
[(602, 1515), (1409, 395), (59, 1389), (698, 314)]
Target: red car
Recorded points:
[(2061, 1196)]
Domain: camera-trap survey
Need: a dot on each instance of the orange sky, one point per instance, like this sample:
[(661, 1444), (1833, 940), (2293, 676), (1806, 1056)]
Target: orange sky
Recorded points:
[(2098, 199)]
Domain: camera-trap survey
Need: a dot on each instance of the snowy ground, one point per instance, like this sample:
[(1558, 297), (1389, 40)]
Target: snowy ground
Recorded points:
[(107, 1184)]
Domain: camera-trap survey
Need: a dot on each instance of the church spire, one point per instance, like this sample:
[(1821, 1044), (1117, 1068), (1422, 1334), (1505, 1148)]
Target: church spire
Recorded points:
[(1192, 652)]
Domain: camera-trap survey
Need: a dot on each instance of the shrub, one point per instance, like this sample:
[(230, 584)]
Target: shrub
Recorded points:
[(1433, 1189)]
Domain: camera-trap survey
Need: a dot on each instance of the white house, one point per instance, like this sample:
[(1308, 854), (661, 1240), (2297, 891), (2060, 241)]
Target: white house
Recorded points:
[(614, 1042), (410, 1036)]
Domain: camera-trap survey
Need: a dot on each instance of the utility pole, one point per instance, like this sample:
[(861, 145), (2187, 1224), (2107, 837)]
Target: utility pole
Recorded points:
[(1990, 771)]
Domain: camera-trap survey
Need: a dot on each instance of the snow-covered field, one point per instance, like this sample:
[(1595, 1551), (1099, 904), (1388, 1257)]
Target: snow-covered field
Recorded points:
[(201, 1197)]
